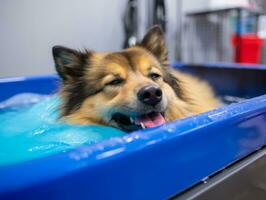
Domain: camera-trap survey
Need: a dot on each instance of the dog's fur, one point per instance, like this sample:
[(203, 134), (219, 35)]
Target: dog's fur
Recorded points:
[(98, 85)]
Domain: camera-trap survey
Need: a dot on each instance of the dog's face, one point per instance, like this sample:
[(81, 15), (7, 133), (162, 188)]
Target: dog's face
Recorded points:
[(130, 89)]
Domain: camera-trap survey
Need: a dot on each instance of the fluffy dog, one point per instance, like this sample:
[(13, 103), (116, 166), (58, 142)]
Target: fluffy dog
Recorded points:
[(130, 89)]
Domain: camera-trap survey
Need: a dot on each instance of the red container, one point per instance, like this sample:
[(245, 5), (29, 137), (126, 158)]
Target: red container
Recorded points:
[(247, 48)]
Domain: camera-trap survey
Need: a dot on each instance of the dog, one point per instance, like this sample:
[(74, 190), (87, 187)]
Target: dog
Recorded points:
[(130, 89)]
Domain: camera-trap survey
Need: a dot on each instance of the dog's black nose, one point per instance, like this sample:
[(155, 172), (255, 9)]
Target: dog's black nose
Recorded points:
[(150, 95)]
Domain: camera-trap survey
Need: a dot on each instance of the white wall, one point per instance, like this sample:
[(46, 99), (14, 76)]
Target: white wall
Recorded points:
[(29, 29)]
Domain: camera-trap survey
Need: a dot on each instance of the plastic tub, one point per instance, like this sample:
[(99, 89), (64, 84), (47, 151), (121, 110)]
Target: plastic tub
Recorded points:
[(155, 163)]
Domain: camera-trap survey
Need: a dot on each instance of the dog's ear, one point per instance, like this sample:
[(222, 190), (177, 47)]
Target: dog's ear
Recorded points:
[(69, 63), (154, 42)]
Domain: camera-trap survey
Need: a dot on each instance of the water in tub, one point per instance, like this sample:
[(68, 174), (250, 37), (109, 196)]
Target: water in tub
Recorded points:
[(29, 128)]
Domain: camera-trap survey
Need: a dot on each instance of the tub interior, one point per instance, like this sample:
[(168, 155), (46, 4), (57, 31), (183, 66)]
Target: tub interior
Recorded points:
[(231, 80)]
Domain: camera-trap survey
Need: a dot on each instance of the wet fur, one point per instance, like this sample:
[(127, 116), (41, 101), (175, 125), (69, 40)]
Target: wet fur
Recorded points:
[(88, 99)]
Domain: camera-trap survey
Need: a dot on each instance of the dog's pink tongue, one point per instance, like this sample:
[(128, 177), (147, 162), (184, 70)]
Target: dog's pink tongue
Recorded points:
[(151, 120)]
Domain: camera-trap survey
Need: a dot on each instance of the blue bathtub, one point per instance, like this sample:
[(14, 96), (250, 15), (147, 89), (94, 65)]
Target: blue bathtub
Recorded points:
[(156, 163)]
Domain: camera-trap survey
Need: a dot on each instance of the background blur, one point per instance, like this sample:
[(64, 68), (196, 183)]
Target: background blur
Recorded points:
[(197, 31)]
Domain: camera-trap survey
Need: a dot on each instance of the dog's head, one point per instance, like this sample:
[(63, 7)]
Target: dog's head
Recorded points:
[(129, 89)]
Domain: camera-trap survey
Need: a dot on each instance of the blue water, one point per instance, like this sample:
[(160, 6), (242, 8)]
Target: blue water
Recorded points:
[(29, 128)]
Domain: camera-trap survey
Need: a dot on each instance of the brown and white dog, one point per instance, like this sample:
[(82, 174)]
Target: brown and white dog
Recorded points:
[(130, 89)]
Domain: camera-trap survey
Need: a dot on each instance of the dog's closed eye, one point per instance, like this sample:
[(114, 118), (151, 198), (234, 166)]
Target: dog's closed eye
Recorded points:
[(115, 82), (112, 80), (154, 76)]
